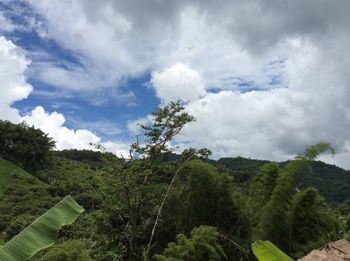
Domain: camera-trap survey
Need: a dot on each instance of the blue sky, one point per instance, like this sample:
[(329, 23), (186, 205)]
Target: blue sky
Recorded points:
[(134, 99), (260, 86)]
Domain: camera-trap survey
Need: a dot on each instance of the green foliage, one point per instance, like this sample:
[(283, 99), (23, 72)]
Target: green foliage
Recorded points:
[(71, 250), (244, 169), (273, 224), (25, 146), (203, 245), (42, 232), (310, 223), (87, 156), (168, 121), (12, 177), (305, 217), (22, 198), (261, 189), (331, 181), (313, 151), (266, 251), (210, 198), (136, 182)]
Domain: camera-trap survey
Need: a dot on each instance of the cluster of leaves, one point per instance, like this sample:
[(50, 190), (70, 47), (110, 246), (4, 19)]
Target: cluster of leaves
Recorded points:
[(203, 245), (26, 146)]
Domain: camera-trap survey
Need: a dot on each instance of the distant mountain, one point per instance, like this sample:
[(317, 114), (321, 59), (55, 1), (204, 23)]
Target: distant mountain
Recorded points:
[(332, 182)]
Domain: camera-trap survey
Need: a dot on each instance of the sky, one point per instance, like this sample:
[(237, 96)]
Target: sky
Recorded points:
[(264, 79)]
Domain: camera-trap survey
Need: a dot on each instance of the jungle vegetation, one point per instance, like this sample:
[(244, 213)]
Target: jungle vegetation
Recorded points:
[(156, 205)]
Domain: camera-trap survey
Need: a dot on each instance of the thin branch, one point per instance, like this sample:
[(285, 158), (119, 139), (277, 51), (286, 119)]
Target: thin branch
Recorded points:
[(244, 251), (162, 205)]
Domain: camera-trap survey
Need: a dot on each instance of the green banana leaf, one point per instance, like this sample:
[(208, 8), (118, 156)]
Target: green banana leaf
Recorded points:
[(42, 232), (266, 251)]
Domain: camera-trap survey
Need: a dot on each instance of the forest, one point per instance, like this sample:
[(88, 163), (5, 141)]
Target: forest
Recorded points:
[(159, 205)]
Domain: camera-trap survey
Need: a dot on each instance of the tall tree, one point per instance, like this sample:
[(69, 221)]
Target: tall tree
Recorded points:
[(273, 223), (26, 146), (137, 176), (211, 198), (260, 191), (310, 223)]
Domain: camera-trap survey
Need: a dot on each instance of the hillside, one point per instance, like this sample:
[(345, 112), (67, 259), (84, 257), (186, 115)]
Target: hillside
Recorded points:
[(332, 182), (13, 177), (24, 196)]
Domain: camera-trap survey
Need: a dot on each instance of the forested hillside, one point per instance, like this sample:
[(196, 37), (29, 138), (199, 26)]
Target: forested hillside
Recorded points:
[(156, 205), (332, 182)]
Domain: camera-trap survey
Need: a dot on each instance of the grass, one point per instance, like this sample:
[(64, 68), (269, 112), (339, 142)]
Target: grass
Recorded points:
[(74, 171), (12, 176)]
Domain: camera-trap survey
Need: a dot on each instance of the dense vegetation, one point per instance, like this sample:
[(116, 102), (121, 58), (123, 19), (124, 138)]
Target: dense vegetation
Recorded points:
[(156, 205), (24, 145)]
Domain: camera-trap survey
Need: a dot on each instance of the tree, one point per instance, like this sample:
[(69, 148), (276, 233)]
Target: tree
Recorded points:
[(136, 177), (310, 222), (211, 198), (273, 224), (26, 146), (260, 191)]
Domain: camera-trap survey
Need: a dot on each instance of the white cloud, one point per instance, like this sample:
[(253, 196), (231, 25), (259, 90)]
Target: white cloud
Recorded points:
[(14, 87), (177, 82), (9, 114), (65, 138), (53, 124), (5, 24), (279, 123), (134, 127), (13, 64), (103, 127), (117, 147), (113, 40)]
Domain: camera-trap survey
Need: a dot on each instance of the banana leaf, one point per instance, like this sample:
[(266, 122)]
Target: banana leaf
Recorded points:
[(266, 251), (42, 232)]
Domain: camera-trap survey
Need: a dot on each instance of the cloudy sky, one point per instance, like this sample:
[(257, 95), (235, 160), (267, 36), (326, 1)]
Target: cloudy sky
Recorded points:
[(264, 79)]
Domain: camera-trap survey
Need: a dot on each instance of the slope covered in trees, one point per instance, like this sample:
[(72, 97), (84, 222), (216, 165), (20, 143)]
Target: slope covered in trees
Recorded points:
[(331, 181)]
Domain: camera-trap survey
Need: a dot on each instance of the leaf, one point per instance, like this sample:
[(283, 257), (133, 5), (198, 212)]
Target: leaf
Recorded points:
[(266, 251), (42, 232)]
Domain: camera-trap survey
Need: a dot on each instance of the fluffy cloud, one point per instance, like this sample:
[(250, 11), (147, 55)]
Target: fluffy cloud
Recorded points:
[(9, 114), (229, 43), (13, 65), (112, 40), (53, 124), (177, 82), (278, 123), (14, 87), (293, 54), (65, 138)]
